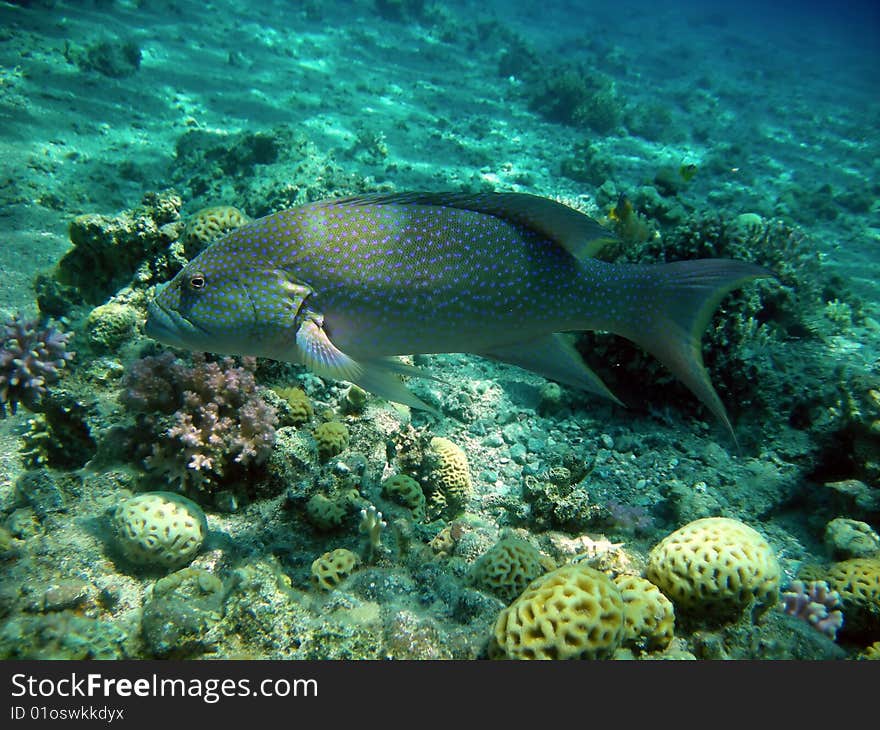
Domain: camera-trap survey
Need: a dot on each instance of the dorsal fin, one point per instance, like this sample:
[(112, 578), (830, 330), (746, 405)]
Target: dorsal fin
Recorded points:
[(577, 233)]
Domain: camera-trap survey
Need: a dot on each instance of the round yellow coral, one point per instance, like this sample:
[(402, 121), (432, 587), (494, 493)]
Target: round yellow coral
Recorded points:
[(332, 438), (332, 568), (448, 477), (649, 618), (715, 566), (573, 612), (507, 568), (858, 583), (406, 491), (208, 224), (160, 528), (300, 406)]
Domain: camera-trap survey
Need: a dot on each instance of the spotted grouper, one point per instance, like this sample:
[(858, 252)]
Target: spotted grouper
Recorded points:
[(342, 286)]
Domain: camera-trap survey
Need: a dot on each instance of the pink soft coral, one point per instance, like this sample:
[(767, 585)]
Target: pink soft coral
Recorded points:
[(216, 418)]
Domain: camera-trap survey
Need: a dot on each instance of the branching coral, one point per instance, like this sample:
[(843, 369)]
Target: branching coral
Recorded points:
[(811, 602), (31, 357), (215, 419), (372, 526)]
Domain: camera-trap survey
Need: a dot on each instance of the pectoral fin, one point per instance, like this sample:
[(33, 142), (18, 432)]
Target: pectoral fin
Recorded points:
[(321, 356), (554, 357), (318, 353)]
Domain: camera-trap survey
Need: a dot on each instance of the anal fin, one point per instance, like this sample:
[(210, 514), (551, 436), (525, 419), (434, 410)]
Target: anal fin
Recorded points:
[(554, 357), (379, 377)]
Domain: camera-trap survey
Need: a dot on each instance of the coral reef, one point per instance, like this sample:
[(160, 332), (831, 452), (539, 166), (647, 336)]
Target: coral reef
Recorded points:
[(578, 97), (846, 538), (262, 171), (372, 525), (299, 408), (447, 477), (557, 499), (208, 224), (108, 251), (62, 635), (113, 58), (110, 326), (406, 491), (327, 514), (182, 614), (761, 344), (332, 438), (32, 356), (440, 535), (857, 583)]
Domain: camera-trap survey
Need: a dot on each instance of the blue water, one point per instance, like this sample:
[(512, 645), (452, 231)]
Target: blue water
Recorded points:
[(746, 130)]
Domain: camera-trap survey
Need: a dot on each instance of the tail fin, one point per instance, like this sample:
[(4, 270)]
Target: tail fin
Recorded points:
[(686, 295)]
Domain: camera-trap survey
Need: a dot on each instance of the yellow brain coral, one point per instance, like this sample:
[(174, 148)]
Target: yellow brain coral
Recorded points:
[(160, 528), (715, 566), (507, 568), (405, 490), (448, 477), (325, 513), (332, 568), (573, 612), (208, 224), (332, 438), (870, 653), (648, 616), (300, 406), (858, 583)]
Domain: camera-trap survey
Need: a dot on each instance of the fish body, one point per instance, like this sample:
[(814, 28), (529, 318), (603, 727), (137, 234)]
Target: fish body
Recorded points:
[(343, 285)]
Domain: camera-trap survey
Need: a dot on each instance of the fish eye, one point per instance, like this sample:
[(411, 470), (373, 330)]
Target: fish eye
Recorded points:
[(197, 281)]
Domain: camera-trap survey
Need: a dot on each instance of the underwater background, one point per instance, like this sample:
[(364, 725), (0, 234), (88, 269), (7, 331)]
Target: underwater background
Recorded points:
[(160, 503)]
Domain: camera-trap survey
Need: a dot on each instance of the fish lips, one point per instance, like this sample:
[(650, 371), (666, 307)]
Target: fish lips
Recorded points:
[(170, 328)]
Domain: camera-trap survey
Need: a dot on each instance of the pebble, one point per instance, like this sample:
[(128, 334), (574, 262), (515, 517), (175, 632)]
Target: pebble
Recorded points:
[(63, 594)]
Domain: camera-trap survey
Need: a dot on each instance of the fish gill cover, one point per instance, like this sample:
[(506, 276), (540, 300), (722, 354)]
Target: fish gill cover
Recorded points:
[(417, 453)]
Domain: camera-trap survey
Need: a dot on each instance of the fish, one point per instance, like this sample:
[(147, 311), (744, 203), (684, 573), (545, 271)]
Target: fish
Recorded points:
[(345, 286)]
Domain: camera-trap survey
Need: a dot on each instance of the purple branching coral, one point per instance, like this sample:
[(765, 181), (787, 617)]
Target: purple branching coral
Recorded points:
[(811, 603), (212, 417), (31, 357)]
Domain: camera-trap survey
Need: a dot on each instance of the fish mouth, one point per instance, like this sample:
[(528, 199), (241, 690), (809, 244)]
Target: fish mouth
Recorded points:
[(169, 328)]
